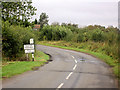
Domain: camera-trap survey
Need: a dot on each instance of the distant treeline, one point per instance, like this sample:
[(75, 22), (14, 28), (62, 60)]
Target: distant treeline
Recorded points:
[(17, 30), (93, 36)]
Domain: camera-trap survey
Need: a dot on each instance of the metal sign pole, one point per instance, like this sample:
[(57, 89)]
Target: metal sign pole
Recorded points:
[(32, 56), (27, 56), (32, 43)]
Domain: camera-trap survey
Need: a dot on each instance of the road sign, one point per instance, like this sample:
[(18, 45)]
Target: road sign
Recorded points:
[(29, 51), (28, 46), (31, 41)]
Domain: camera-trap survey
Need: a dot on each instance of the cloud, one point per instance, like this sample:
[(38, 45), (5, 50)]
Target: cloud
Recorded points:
[(79, 11)]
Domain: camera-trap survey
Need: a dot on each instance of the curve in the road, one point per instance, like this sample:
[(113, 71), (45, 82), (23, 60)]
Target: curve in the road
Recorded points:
[(69, 69)]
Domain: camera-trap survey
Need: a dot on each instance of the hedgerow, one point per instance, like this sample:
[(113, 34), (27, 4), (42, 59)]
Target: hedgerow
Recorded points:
[(13, 40)]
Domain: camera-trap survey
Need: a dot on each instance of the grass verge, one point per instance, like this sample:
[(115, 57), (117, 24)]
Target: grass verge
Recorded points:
[(17, 67), (110, 61)]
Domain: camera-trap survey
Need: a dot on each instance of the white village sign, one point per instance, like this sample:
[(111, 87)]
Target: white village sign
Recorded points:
[(31, 41), (29, 48), (29, 51)]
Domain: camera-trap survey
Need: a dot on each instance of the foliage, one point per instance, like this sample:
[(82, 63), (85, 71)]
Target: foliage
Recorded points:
[(54, 33), (84, 48), (43, 20), (91, 37), (18, 13), (35, 22), (97, 35), (55, 23), (14, 38)]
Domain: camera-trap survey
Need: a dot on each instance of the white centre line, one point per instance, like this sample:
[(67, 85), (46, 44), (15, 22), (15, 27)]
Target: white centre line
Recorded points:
[(75, 61), (60, 85), (73, 56), (74, 67), (69, 75)]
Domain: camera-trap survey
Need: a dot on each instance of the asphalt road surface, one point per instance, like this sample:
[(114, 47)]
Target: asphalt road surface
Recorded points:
[(69, 69)]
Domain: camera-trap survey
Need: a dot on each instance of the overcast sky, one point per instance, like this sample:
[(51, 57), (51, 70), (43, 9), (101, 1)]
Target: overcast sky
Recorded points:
[(81, 12)]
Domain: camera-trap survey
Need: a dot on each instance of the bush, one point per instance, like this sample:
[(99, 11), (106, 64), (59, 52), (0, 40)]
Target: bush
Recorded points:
[(95, 38), (14, 38), (97, 35), (54, 33)]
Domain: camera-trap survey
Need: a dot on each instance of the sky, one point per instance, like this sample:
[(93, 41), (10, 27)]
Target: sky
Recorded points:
[(81, 12)]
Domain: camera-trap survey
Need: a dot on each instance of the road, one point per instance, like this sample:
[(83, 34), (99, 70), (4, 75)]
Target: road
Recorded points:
[(69, 69)]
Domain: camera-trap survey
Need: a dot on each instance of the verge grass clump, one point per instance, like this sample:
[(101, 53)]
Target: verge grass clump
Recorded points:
[(11, 68)]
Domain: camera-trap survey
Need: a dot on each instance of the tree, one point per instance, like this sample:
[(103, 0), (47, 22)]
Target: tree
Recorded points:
[(43, 20), (55, 23), (75, 25), (64, 24), (17, 12), (35, 21)]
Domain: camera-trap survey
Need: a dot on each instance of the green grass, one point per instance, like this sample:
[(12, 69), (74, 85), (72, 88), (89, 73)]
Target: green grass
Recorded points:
[(18, 67), (110, 61), (39, 56)]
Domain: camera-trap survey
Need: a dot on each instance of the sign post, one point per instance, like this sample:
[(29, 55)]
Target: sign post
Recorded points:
[(31, 41), (27, 56), (32, 56), (29, 48)]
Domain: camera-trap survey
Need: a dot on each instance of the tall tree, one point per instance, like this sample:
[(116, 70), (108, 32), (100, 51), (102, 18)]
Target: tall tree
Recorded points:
[(35, 21), (43, 20), (55, 23), (17, 12)]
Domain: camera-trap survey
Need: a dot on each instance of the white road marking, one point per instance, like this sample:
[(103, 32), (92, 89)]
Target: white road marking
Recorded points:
[(73, 56), (75, 61), (69, 75), (60, 85), (74, 67), (92, 61)]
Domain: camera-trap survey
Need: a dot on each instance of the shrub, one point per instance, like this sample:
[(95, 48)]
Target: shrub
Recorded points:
[(95, 38), (54, 33), (14, 38), (97, 35)]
